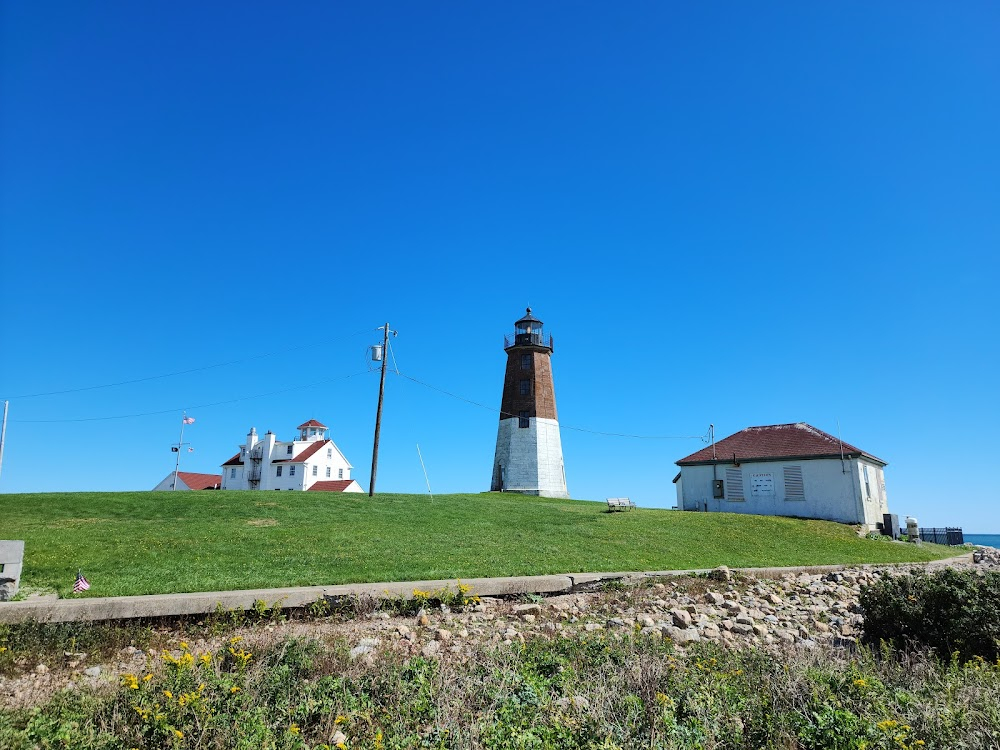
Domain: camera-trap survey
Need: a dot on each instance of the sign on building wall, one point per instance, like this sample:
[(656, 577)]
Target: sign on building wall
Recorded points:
[(761, 484)]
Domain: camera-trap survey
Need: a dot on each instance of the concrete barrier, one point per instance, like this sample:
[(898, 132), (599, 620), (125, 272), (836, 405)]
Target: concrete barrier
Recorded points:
[(11, 560), (202, 603)]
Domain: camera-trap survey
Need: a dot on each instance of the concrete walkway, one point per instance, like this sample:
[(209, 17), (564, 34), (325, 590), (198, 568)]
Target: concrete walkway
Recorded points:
[(173, 605)]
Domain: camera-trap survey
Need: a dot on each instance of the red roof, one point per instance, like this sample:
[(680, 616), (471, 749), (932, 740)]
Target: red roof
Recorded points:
[(334, 485), (234, 461), (307, 453), (311, 423), (200, 481), (775, 442)]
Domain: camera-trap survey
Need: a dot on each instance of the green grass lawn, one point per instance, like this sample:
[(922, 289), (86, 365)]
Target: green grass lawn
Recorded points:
[(164, 542)]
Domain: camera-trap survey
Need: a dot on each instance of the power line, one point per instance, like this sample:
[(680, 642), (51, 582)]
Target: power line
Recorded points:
[(561, 425), (183, 372), (191, 408)]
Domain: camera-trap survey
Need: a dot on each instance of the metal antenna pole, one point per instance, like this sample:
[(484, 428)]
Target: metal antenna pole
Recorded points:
[(425, 473), (180, 444), (378, 415), (3, 431)]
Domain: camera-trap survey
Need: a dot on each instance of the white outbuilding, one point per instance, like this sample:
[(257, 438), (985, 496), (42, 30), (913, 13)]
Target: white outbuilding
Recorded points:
[(313, 462), (189, 480), (785, 470)]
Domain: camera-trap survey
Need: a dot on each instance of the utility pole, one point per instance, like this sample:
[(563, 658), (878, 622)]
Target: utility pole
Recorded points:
[(378, 415), (3, 431)]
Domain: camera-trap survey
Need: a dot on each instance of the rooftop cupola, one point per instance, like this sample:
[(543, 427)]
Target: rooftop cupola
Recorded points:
[(312, 430), (528, 332)]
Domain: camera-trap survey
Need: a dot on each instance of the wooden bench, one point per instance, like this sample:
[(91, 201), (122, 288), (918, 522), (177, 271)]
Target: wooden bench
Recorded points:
[(619, 503), (11, 557)]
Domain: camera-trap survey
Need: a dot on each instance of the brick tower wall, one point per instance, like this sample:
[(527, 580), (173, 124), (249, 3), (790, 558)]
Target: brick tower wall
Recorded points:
[(541, 398)]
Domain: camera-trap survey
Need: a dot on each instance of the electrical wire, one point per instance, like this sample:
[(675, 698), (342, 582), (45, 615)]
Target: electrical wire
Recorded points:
[(191, 408), (562, 426), (186, 372)]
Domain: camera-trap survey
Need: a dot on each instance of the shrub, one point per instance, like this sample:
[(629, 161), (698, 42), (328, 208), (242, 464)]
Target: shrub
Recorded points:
[(950, 611)]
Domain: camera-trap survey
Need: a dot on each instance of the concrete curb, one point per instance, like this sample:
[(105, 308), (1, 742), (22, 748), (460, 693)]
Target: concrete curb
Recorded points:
[(173, 605)]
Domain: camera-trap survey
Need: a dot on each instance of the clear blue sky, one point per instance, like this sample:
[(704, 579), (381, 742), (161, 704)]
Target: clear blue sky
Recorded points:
[(740, 214)]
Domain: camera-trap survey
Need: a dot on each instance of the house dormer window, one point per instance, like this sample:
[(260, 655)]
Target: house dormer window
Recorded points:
[(288, 451), (329, 452)]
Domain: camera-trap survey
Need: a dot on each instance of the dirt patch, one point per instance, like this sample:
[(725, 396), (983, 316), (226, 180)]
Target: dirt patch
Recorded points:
[(262, 522)]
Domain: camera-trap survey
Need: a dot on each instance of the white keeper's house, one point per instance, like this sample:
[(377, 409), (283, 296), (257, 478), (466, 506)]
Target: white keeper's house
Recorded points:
[(785, 470), (313, 462)]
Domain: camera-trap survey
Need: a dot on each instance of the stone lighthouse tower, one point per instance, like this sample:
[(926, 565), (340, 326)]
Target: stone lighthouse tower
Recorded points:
[(529, 455)]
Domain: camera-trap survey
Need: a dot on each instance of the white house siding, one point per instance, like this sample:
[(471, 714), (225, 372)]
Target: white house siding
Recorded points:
[(274, 453), (531, 457), (829, 492)]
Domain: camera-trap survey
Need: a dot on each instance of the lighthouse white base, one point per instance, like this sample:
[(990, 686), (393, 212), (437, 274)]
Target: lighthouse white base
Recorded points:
[(529, 460)]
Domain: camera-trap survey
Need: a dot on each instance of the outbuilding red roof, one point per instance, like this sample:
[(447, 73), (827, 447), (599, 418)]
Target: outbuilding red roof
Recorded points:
[(311, 423), (334, 485), (200, 481), (234, 461), (309, 452), (776, 442)]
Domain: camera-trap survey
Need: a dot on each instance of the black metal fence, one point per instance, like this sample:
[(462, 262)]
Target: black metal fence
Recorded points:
[(949, 535)]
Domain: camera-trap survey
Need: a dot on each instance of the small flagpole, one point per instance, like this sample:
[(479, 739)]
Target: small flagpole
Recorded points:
[(180, 444)]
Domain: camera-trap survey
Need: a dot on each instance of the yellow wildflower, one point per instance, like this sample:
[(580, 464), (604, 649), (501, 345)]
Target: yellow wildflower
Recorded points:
[(234, 689), (293, 729), (168, 694), (184, 645), (147, 678), (178, 733), (339, 720), (205, 658), (130, 681)]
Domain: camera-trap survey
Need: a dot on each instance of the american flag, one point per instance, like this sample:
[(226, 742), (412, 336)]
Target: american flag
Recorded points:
[(188, 420), (82, 584)]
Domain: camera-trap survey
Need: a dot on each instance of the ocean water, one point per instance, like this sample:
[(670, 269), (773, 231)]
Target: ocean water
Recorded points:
[(987, 540)]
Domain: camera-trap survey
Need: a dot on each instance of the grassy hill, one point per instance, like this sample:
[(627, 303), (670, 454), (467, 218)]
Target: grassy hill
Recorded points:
[(164, 542)]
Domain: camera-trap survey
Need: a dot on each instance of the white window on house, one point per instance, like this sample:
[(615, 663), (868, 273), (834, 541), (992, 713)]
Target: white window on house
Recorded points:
[(291, 470), (278, 471), (794, 488), (232, 473), (315, 470), (288, 451), (340, 473), (329, 452), (327, 472), (734, 485)]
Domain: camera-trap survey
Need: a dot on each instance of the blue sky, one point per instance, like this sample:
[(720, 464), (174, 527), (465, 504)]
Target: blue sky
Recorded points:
[(726, 214)]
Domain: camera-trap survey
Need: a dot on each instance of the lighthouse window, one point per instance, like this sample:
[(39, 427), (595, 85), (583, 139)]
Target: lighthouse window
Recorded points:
[(525, 361), (522, 419), (525, 386), (315, 470), (291, 470), (278, 471)]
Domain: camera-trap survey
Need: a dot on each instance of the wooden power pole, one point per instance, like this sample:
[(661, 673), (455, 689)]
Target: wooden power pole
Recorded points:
[(378, 415)]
